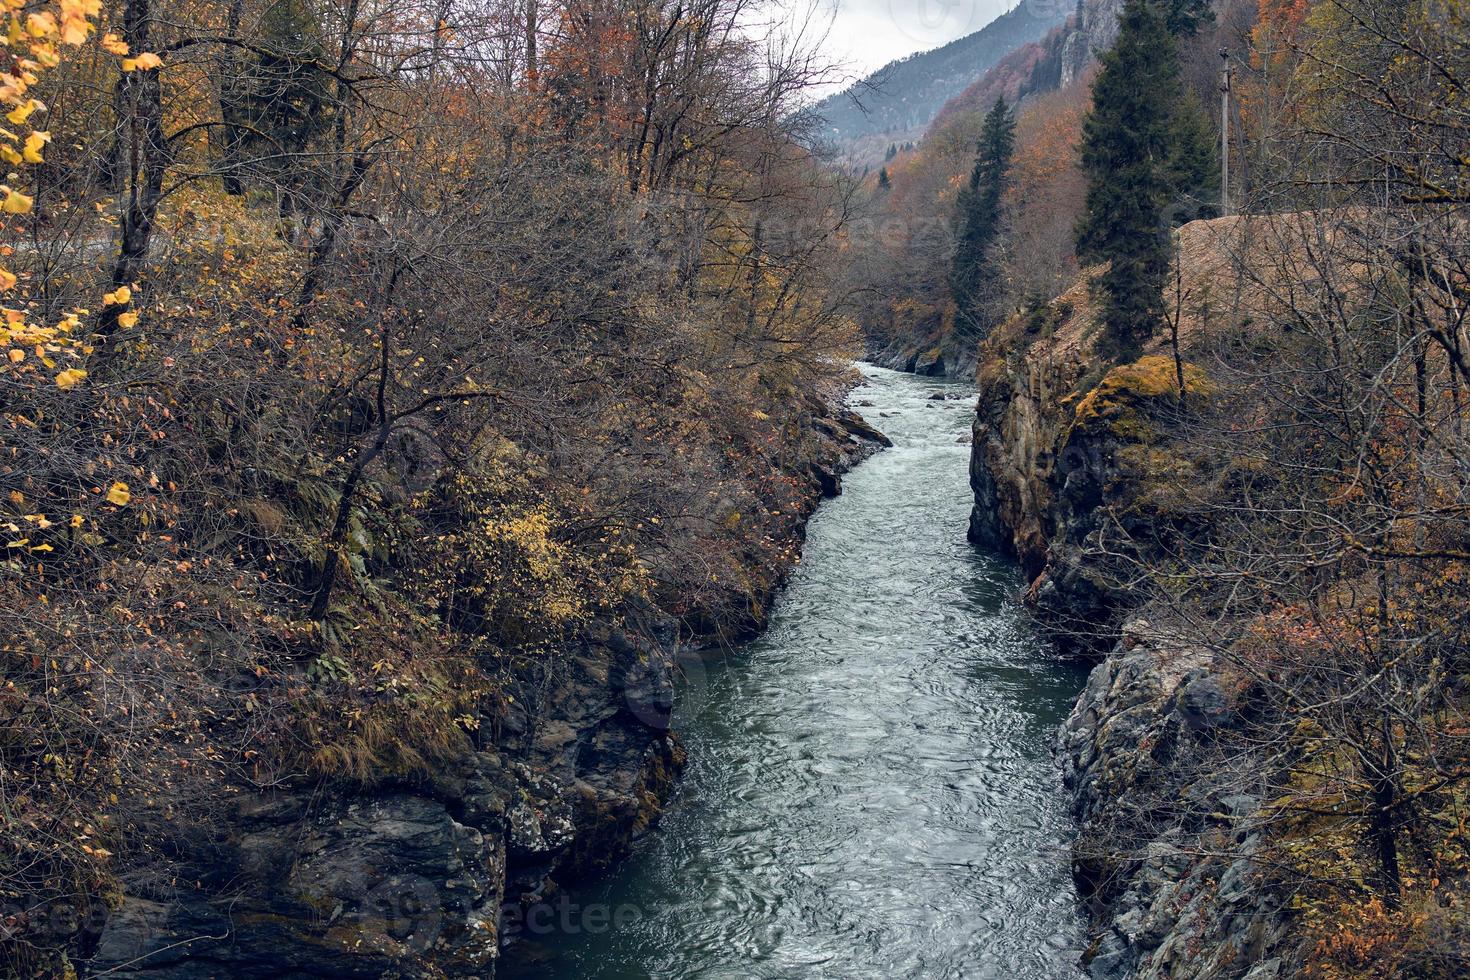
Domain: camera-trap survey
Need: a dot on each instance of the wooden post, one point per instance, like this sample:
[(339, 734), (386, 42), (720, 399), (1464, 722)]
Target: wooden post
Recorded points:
[(1225, 131)]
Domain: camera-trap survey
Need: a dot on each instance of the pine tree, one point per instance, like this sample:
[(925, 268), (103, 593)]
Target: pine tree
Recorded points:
[(281, 102), (1194, 164), (883, 182), (1127, 155), (976, 278)]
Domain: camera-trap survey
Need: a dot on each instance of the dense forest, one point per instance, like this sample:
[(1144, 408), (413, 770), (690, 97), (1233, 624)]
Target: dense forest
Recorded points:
[(391, 391)]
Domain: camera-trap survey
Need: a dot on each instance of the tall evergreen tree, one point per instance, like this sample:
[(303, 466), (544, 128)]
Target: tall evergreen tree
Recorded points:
[(1194, 164), (280, 102), (976, 277), (883, 182), (1127, 155)]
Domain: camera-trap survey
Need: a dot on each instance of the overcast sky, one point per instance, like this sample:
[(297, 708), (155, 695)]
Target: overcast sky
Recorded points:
[(867, 34)]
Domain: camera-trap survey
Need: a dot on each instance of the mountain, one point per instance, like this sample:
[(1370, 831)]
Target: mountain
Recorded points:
[(896, 103)]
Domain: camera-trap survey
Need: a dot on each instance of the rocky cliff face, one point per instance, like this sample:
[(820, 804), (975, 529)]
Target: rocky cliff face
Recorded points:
[(1063, 451), (933, 358), (430, 876), (1164, 854), (1094, 30), (1039, 478)]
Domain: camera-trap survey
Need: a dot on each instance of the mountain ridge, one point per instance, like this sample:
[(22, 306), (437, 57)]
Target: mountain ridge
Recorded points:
[(896, 103)]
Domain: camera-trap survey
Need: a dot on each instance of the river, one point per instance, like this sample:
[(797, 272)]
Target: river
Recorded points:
[(870, 791)]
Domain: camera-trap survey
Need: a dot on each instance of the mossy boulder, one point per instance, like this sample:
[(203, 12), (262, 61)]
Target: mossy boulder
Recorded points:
[(1124, 400)]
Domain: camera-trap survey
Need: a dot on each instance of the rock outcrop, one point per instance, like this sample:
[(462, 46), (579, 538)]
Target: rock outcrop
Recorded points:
[(431, 875), (341, 881), (1164, 854), (1092, 31), (1065, 451), (927, 358)]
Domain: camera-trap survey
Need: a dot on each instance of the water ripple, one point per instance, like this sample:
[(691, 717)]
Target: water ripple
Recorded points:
[(869, 791)]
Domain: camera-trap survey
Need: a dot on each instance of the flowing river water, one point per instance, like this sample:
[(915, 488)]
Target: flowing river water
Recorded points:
[(870, 791)]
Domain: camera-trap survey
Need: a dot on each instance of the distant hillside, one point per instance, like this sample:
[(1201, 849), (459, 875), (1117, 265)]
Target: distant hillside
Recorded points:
[(899, 100)]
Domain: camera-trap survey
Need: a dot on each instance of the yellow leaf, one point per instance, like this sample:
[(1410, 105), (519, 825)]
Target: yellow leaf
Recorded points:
[(41, 24), (118, 296), (77, 520), (126, 320), (70, 377), (22, 112), (15, 202), (74, 31), (113, 44), (118, 494), (16, 355), (34, 142), (146, 61), (7, 279)]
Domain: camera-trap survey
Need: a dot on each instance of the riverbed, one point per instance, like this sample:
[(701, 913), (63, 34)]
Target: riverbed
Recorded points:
[(870, 791)]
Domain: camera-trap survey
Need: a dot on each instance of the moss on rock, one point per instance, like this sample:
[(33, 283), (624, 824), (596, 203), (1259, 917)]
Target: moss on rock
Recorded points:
[(1118, 401)]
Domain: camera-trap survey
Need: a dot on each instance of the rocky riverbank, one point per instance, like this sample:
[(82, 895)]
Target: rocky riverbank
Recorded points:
[(431, 875), (930, 359), (1166, 851), (1066, 451)]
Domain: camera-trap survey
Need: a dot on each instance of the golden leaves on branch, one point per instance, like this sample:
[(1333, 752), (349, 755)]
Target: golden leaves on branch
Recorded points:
[(36, 37), (147, 61)]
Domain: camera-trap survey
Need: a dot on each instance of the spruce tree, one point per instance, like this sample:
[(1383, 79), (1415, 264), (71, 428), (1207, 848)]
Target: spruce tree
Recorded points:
[(281, 101), (1194, 164), (1127, 155), (883, 182), (975, 278)]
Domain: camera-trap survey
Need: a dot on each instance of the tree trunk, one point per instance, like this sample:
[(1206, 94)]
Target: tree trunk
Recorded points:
[(141, 140)]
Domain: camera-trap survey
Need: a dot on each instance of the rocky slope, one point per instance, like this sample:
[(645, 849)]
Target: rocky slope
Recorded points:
[(431, 876), (1064, 449), (1165, 854)]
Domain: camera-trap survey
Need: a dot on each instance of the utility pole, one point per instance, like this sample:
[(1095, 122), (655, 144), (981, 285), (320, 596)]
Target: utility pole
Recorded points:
[(1225, 131)]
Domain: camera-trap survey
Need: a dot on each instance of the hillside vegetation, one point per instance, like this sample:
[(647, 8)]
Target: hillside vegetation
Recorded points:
[(376, 378), (1247, 491), (908, 307)]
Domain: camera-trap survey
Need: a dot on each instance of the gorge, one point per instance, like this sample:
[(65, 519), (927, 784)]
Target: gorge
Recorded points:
[(870, 789), (492, 490)]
